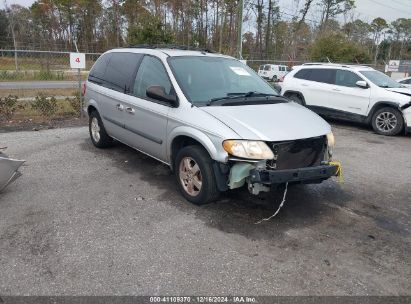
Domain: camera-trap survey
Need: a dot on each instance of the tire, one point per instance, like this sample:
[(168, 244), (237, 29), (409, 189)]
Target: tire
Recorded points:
[(274, 78), (98, 134), (297, 99), (387, 121), (193, 165)]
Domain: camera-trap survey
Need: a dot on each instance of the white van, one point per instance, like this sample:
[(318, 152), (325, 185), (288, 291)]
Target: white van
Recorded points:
[(272, 72)]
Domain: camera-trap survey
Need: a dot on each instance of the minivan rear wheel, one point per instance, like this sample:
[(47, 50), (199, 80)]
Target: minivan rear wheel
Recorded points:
[(388, 121), (194, 172), (98, 134)]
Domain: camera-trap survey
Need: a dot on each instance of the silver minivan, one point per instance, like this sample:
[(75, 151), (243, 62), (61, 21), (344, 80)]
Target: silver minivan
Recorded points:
[(211, 118)]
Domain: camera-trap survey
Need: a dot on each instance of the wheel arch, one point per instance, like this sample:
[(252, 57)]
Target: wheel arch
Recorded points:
[(92, 106), (185, 136), (382, 104), (292, 92)]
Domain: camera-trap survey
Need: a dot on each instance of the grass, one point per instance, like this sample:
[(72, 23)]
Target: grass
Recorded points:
[(39, 75), (23, 93)]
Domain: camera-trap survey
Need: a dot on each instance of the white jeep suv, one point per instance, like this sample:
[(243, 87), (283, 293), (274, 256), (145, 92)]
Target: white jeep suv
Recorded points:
[(351, 92)]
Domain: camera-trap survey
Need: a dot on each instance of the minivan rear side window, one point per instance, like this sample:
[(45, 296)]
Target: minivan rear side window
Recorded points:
[(120, 71), (317, 75)]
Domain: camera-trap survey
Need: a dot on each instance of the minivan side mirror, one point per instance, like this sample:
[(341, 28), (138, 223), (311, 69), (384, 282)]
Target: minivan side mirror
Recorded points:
[(159, 93), (362, 84)]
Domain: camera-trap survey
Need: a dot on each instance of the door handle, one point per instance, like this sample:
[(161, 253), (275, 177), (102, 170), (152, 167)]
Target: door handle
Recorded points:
[(337, 90), (130, 110), (304, 85), (120, 107)]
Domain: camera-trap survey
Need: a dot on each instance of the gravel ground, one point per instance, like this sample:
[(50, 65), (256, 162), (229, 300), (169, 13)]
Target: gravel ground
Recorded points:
[(83, 221)]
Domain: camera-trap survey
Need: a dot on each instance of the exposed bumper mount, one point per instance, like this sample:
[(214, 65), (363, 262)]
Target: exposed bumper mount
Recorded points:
[(301, 175)]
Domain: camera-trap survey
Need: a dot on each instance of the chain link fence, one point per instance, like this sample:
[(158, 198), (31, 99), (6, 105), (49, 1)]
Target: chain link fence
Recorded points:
[(39, 65), (54, 65)]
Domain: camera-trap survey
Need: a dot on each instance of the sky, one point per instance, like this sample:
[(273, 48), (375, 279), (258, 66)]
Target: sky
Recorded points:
[(366, 10)]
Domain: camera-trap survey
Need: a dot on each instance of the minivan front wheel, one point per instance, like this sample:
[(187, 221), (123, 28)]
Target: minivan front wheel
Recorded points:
[(195, 176), (388, 121), (98, 134)]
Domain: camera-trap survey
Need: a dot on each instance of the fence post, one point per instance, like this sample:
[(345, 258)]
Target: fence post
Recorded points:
[(79, 93)]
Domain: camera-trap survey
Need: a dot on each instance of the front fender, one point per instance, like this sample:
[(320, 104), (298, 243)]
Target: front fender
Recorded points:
[(211, 142)]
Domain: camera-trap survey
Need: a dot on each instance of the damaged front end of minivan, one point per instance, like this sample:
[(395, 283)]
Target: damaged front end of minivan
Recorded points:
[(264, 165)]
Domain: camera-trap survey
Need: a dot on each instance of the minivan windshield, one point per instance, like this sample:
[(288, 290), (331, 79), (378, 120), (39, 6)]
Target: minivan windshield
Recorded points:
[(381, 80), (206, 78)]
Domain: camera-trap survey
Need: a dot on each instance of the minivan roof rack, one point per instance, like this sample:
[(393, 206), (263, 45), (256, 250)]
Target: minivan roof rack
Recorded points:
[(172, 47)]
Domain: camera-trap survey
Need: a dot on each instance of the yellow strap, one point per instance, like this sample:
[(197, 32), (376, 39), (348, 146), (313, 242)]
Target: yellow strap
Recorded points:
[(339, 172)]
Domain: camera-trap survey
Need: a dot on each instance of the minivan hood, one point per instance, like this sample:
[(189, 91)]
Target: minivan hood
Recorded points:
[(272, 122)]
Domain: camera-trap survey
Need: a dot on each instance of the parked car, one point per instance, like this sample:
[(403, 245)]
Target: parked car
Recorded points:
[(351, 92), (272, 72), (209, 117), (405, 82)]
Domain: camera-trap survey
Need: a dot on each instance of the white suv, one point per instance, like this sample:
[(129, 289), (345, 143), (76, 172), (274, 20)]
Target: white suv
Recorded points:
[(356, 93)]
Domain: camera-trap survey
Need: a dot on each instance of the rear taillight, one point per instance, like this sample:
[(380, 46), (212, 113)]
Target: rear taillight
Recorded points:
[(84, 89)]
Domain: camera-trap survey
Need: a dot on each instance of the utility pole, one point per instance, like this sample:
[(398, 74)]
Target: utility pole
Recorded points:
[(240, 29)]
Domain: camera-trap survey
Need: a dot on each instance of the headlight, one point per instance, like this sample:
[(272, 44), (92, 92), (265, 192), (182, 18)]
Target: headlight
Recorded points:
[(331, 139), (330, 143), (248, 149)]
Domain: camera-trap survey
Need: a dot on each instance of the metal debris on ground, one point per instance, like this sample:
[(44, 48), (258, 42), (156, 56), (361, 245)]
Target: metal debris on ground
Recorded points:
[(279, 208), (8, 170)]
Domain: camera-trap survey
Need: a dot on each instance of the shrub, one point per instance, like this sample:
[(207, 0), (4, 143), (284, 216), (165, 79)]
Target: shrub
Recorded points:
[(75, 102), (8, 106), (46, 106)]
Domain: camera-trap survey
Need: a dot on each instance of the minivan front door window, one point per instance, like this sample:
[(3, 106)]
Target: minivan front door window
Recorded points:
[(151, 73)]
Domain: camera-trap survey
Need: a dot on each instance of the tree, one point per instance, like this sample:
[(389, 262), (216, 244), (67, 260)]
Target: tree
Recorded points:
[(377, 27), (337, 48), (4, 25), (333, 8), (149, 30)]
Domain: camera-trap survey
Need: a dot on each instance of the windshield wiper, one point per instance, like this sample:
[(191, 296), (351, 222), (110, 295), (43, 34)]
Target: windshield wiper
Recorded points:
[(239, 95)]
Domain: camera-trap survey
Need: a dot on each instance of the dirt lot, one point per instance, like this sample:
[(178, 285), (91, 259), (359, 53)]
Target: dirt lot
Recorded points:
[(85, 221)]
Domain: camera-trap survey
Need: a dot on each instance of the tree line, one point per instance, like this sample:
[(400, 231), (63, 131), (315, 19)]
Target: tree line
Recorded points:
[(269, 33)]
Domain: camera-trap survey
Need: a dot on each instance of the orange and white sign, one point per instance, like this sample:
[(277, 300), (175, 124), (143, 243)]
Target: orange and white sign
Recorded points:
[(77, 60)]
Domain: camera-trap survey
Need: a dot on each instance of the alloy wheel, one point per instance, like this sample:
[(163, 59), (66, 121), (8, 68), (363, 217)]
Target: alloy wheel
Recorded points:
[(190, 176), (95, 129), (386, 121)]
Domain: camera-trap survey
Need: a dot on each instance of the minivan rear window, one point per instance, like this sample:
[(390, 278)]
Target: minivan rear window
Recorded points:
[(99, 68), (121, 70), (115, 71)]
